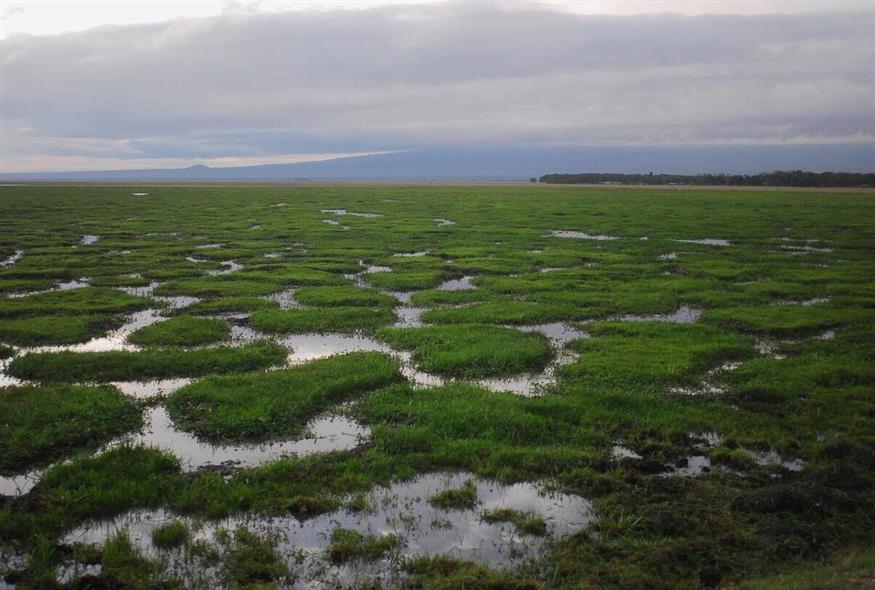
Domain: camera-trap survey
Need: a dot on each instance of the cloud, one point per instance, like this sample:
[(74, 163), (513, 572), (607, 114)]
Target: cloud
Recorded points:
[(250, 85)]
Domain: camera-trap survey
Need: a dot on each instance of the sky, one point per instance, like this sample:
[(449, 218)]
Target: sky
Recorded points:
[(117, 85)]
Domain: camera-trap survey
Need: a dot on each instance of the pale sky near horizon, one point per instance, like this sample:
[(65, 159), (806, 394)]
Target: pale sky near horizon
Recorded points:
[(166, 84)]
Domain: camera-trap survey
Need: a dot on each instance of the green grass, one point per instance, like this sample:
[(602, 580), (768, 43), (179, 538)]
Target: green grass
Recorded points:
[(650, 355), (260, 406), (171, 535), (525, 523), (182, 331), (471, 350), (718, 529), (251, 560), (91, 300), (148, 364), (342, 296), (41, 424), (463, 498), (852, 571), (349, 545), (329, 319), (47, 330)]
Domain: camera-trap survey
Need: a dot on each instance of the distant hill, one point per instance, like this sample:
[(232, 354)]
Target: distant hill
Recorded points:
[(504, 163)]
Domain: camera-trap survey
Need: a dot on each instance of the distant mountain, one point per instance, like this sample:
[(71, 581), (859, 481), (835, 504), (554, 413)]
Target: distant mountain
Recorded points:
[(507, 163)]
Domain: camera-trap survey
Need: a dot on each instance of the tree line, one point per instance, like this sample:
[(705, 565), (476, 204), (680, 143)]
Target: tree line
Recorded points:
[(797, 178)]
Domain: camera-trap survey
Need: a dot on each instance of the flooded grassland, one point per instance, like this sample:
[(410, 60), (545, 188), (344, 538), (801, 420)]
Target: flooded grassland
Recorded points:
[(435, 387)]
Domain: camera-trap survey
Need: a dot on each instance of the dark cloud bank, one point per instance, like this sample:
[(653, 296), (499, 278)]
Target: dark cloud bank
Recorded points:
[(666, 92)]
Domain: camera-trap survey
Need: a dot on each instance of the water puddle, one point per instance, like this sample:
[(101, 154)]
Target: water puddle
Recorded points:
[(805, 249), (10, 260), (411, 254), (323, 435), (88, 239), (401, 509), (209, 246), (530, 384), (669, 256), (464, 284), (285, 299), (196, 260), (79, 283), (444, 222), (273, 255), (619, 452), (335, 222), (149, 389), (706, 242), (139, 194), (229, 266), (683, 315), (112, 341), (559, 333), (579, 235)]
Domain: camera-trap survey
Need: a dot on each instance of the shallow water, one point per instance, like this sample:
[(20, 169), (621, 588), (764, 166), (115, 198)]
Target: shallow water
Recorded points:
[(210, 246), (444, 222), (139, 194), (706, 242), (411, 254), (285, 299), (148, 389), (229, 266), (352, 213), (79, 283), (401, 509), (89, 239), (683, 315), (559, 333), (114, 340), (668, 256), (323, 434), (579, 235), (335, 222), (10, 260), (464, 284)]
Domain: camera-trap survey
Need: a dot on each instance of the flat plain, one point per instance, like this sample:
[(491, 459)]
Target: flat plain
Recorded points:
[(503, 387)]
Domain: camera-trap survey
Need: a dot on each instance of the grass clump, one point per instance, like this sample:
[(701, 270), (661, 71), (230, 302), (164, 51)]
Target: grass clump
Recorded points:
[(251, 560), (46, 330), (463, 498), (343, 296), (350, 545), (6, 351), (171, 535), (446, 573), (148, 364), (472, 351), (332, 319), (91, 300), (650, 355), (181, 331), (526, 523), (413, 280), (231, 305), (786, 321), (260, 406), (40, 424)]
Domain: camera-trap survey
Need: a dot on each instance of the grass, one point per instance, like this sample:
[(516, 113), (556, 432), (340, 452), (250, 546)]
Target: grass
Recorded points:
[(251, 560), (182, 330), (171, 535), (652, 355), (737, 524), (149, 364), (329, 319), (261, 406), (525, 523), (41, 424), (57, 330), (350, 545), (471, 350), (463, 498), (342, 296)]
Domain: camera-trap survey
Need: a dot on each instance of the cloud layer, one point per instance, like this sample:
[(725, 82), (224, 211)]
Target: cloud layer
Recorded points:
[(263, 85)]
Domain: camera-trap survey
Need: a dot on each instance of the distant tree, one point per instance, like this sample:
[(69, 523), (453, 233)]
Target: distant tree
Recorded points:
[(533, 179), (797, 178)]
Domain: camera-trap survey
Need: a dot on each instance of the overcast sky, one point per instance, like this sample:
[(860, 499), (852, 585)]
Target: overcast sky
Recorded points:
[(166, 84)]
